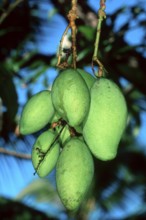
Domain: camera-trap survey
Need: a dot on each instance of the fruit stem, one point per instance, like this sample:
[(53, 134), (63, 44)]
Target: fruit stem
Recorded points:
[(43, 155), (101, 17), (11, 7), (72, 16)]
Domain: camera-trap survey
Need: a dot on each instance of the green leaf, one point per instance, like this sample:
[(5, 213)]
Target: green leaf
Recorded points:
[(37, 73), (87, 31), (10, 209), (8, 92), (83, 53)]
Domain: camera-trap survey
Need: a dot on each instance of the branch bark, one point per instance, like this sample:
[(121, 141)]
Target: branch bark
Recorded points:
[(15, 154), (10, 9)]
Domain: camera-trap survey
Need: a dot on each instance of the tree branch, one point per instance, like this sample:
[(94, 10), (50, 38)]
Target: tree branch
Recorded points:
[(15, 154), (101, 16), (72, 16), (10, 9)]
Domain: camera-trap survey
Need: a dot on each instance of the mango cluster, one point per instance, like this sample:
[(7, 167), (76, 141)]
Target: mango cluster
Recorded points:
[(85, 117)]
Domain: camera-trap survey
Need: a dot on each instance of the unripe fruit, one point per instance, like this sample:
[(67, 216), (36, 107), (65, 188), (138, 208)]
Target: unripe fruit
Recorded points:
[(67, 133), (74, 172), (106, 120), (78, 129), (43, 159), (55, 118), (89, 79), (64, 135), (37, 113), (70, 97)]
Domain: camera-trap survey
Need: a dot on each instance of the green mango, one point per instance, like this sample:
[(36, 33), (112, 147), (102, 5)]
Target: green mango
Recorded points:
[(44, 166), (70, 97), (106, 120), (37, 113), (64, 135), (74, 173), (55, 118), (78, 129), (89, 79)]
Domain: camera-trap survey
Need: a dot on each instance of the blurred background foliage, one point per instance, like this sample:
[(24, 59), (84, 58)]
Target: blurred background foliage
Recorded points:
[(118, 190)]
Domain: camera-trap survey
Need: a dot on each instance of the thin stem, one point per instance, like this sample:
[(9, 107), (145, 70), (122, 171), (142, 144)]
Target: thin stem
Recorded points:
[(95, 54), (43, 155), (10, 9), (72, 16), (15, 154), (101, 17)]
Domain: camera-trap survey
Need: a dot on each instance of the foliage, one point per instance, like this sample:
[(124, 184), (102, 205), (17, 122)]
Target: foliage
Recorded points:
[(22, 65), (15, 210)]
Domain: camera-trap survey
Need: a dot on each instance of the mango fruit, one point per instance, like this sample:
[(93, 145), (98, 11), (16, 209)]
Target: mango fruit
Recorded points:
[(64, 135), (78, 129), (70, 97), (74, 173), (55, 118), (43, 158), (106, 119), (37, 113), (89, 79)]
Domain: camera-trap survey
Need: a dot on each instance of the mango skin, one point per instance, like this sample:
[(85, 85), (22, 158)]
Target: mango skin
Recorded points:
[(74, 173), (37, 113), (65, 134), (89, 79), (70, 97), (106, 120), (41, 145), (78, 129), (55, 118)]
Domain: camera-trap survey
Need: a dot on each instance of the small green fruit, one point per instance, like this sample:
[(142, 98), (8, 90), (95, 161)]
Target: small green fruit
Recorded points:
[(106, 120), (64, 135), (43, 159), (89, 79), (55, 118), (37, 113), (70, 97), (74, 172), (78, 129)]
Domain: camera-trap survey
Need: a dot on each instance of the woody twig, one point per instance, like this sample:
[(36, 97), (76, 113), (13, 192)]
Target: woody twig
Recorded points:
[(101, 17)]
